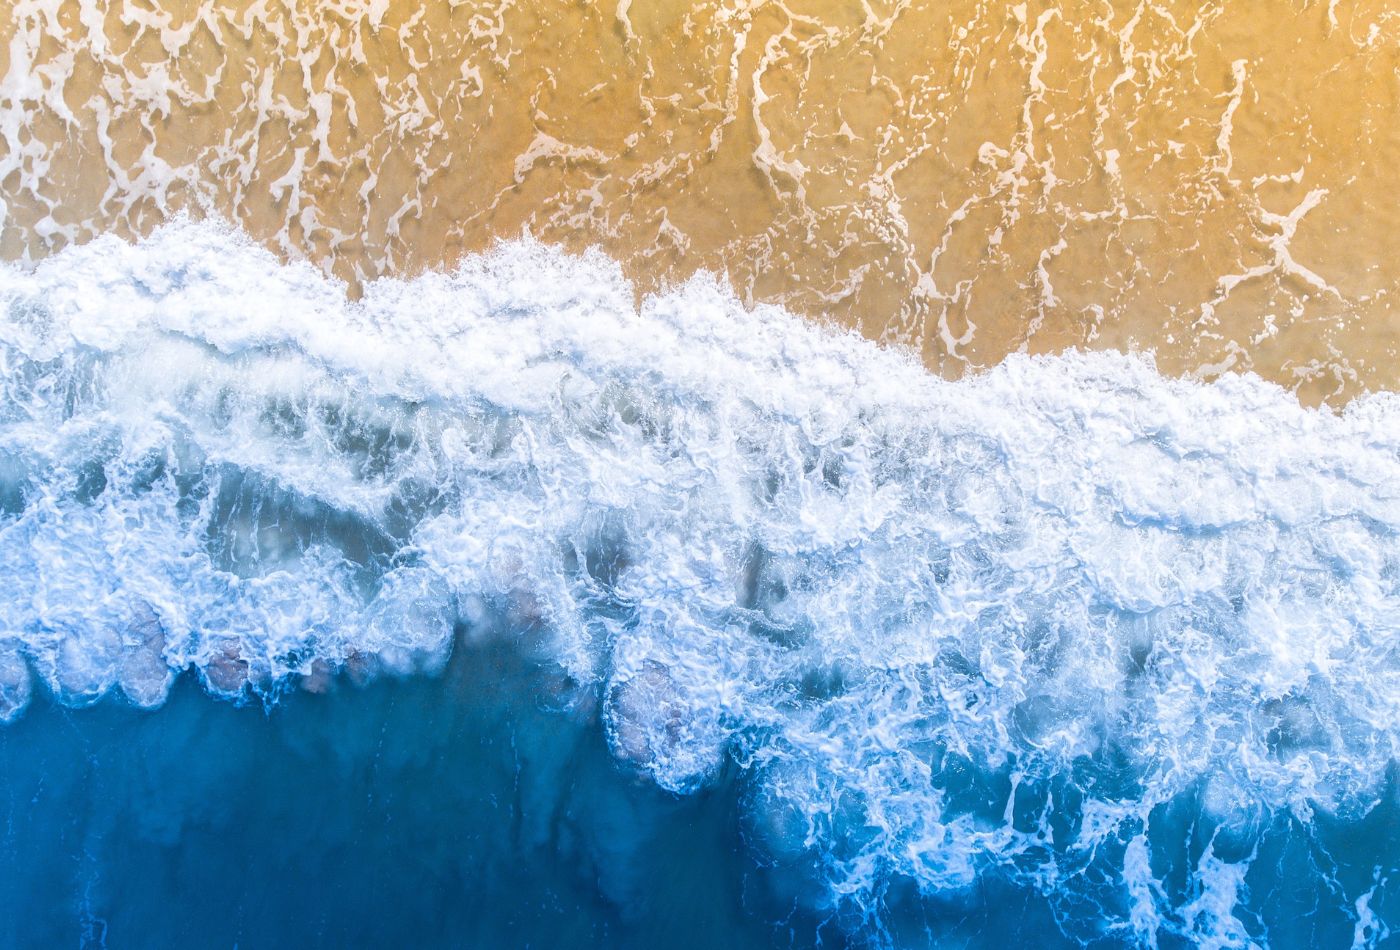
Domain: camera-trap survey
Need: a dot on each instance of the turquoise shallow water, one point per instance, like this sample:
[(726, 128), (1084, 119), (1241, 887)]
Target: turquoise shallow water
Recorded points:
[(490, 609)]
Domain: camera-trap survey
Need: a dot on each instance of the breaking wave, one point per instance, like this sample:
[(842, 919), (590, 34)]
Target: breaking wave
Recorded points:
[(1112, 637)]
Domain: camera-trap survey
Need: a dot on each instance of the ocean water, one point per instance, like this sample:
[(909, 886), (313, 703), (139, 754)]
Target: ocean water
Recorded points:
[(489, 607)]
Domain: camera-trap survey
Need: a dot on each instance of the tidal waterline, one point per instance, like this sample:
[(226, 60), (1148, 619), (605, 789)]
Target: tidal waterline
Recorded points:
[(1211, 182)]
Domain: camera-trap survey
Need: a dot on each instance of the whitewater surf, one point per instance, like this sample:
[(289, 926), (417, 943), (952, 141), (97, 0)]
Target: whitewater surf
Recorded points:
[(1119, 644)]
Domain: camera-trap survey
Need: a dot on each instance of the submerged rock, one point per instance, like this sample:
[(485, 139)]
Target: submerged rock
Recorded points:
[(16, 685), (226, 672), (655, 727), (144, 675), (319, 678)]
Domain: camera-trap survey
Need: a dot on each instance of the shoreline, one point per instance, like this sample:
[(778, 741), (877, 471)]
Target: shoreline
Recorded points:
[(967, 180)]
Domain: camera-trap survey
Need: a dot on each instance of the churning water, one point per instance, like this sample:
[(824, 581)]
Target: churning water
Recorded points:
[(528, 616)]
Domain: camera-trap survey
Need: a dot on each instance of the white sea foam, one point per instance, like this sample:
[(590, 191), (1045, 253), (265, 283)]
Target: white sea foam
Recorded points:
[(898, 603)]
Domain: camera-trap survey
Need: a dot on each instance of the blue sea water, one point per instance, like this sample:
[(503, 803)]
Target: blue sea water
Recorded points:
[(490, 610)]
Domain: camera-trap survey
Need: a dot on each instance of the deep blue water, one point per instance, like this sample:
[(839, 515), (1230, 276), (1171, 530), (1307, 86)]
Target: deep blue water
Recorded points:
[(433, 812), (461, 811), (451, 811), (430, 812)]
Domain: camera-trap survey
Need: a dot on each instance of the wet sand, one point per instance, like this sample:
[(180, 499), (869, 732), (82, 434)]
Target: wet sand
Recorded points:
[(1215, 183)]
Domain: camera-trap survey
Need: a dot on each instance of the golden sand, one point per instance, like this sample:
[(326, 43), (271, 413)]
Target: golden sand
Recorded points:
[(1218, 183)]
